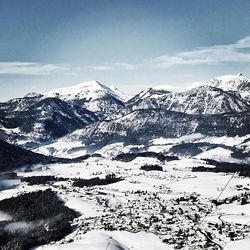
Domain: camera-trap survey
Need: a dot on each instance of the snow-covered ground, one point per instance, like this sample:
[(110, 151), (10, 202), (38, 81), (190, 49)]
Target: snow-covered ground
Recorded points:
[(116, 240), (239, 245), (141, 195), (70, 147)]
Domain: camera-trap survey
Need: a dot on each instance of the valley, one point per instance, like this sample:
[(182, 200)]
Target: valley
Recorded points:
[(159, 170), (176, 204)]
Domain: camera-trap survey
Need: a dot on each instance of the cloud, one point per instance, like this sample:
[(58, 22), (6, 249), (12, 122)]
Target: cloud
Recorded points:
[(238, 52), (100, 67), (20, 227), (114, 66), (210, 55), (29, 68), (122, 65)]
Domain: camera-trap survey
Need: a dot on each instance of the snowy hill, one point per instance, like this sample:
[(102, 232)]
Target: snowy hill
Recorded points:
[(86, 90), (221, 95), (18, 104), (44, 120), (162, 170), (231, 83), (149, 93), (141, 126), (93, 96), (116, 117), (204, 100)]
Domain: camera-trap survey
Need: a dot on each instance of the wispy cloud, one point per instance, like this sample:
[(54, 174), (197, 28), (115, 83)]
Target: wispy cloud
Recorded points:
[(114, 65), (123, 65), (238, 52), (100, 67), (30, 68), (210, 55)]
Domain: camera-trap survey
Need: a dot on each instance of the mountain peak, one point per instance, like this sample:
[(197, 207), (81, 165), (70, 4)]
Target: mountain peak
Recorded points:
[(87, 90), (231, 83), (92, 83), (33, 94), (228, 78)]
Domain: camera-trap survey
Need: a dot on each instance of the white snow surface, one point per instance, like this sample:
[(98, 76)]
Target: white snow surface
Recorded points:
[(219, 154), (87, 90), (116, 240), (177, 180), (230, 82), (71, 146), (239, 245)]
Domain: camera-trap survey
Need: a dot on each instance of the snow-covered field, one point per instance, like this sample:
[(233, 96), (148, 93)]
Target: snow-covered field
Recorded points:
[(115, 240), (70, 147), (241, 245), (171, 208), (129, 205)]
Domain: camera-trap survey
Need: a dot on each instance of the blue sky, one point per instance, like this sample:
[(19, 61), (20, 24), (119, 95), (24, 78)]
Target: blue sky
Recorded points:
[(131, 44)]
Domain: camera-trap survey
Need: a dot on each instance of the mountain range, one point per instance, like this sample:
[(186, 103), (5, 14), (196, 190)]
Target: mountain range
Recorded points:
[(96, 115)]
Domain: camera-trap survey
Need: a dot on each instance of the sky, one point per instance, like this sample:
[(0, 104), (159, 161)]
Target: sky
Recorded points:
[(132, 44)]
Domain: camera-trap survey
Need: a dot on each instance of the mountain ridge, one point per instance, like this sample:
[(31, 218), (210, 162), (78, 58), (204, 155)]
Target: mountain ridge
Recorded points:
[(95, 108)]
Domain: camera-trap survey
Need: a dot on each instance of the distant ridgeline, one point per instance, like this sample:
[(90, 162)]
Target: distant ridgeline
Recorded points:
[(97, 115), (13, 157)]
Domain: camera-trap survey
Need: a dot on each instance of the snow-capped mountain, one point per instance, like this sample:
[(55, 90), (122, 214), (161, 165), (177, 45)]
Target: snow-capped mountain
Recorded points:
[(86, 90), (22, 157), (221, 95), (18, 104), (200, 100), (150, 93), (43, 120), (92, 95), (143, 125), (153, 152), (237, 83), (102, 114)]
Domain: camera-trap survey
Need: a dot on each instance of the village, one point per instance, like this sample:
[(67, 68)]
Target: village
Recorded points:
[(179, 222)]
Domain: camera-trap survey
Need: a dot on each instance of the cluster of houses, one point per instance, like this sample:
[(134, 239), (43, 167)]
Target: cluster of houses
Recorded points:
[(183, 220), (176, 221)]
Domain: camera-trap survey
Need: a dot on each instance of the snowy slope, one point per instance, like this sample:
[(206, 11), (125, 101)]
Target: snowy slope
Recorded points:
[(94, 96), (86, 90), (44, 120), (143, 125), (237, 83), (153, 113), (102, 240), (155, 92), (239, 245), (19, 104), (200, 100)]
